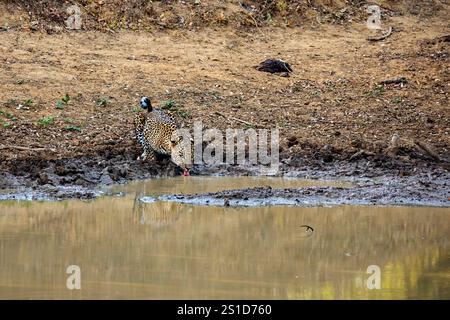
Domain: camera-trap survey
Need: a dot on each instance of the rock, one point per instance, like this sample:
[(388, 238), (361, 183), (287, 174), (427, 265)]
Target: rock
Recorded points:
[(60, 170), (44, 179), (80, 182), (34, 25)]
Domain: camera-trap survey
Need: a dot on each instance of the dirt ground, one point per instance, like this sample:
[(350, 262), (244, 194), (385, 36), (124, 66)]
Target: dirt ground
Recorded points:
[(331, 109)]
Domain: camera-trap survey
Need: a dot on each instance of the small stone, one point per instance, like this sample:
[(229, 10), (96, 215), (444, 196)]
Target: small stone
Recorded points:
[(43, 178)]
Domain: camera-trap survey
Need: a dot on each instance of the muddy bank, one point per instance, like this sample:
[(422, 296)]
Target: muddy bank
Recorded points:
[(420, 189), (377, 180), (81, 178), (118, 165)]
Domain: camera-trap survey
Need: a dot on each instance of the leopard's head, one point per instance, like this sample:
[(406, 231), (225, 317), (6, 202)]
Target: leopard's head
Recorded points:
[(182, 153)]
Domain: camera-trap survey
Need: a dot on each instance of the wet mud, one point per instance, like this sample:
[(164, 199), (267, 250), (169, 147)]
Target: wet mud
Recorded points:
[(381, 181), (411, 191), (81, 178)]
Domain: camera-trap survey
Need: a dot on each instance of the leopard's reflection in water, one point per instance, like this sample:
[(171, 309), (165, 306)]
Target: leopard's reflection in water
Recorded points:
[(157, 214)]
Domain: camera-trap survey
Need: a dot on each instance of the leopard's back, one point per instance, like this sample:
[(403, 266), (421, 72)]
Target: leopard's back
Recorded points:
[(158, 131)]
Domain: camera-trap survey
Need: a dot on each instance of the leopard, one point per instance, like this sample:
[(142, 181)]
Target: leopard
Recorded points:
[(154, 131)]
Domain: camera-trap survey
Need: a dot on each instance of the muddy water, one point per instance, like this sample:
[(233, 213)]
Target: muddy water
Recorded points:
[(129, 249), (199, 184)]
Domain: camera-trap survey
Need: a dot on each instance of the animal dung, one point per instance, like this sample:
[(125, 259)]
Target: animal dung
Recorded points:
[(274, 66)]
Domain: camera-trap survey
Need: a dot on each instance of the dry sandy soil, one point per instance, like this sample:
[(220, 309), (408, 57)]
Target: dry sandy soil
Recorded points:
[(331, 108)]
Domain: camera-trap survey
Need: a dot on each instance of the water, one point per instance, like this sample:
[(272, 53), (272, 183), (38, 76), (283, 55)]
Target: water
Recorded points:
[(197, 184), (127, 249)]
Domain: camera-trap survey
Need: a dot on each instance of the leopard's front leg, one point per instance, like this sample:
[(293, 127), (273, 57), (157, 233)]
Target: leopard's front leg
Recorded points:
[(148, 154)]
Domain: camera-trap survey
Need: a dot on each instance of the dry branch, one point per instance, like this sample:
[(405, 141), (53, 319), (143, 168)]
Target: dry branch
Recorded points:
[(421, 146), (361, 152), (25, 148), (235, 119)]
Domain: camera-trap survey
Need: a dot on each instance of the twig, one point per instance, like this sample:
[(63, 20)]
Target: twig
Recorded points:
[(236, 119), (382, 37), (361, 152), (425, 148), (24, 148), (254, 21)]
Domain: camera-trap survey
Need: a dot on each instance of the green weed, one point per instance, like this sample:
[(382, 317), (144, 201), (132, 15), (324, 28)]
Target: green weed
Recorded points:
[(101, 102), (73, 128), (46, 121), (60, 104), (376, 91)]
